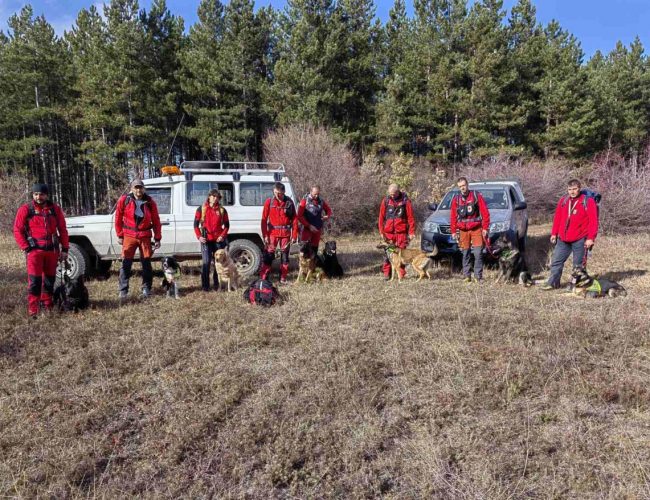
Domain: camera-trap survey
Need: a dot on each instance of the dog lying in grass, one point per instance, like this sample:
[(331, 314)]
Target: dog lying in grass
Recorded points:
[(71, 295), (419, 260), (585, 286), (171, 274), (329, 262), (227, 270), (308, 264)]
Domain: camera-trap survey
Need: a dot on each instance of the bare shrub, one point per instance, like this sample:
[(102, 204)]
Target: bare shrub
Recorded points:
[(13, 193), (543, 182), (312, 156), (625, 186)]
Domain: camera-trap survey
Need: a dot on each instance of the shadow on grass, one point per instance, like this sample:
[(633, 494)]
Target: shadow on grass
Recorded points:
[(538, 249), (622, 275)]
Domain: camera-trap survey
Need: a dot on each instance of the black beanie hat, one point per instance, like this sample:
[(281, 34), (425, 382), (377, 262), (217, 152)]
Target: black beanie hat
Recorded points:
[(40, 188)]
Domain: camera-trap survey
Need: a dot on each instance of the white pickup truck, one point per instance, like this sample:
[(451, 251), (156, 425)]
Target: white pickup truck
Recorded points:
[(243, 185)]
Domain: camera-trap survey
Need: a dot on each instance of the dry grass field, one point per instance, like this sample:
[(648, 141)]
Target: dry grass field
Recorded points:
[(350, 389)]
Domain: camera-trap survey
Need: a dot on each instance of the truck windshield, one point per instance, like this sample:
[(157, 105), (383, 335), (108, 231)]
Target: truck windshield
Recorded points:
[(495, 198)]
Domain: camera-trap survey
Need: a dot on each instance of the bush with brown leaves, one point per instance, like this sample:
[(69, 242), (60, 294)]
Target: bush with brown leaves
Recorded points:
[(312, 155), (13, 193)]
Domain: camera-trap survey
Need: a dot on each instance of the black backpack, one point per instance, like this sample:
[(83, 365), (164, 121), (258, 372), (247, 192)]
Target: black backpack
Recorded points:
[(261, 292)]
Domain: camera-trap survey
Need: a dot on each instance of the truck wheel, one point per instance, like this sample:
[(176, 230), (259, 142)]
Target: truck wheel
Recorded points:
[(78, 261), (247, 255)]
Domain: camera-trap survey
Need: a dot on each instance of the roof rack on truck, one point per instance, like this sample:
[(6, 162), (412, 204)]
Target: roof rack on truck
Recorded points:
[(216, 167)]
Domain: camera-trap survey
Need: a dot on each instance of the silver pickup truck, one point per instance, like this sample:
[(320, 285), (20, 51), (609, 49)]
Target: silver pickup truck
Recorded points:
[(243, 185)]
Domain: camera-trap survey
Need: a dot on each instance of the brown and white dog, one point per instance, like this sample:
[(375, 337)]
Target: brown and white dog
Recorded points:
[(227, 270)]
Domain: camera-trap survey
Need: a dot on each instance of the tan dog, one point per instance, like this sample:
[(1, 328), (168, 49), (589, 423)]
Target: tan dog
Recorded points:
[(419, 260), (307, 264), (226, 269)]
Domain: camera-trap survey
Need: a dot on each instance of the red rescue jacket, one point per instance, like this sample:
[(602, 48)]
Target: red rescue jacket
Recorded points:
[(396, 216), (45, 224), (279, 218), (215, 223), (469, 221), (127, 224), (311, 213), (575, 219)]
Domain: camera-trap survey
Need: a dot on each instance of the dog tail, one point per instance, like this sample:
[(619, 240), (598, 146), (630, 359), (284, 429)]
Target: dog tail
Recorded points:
[(434, 252)]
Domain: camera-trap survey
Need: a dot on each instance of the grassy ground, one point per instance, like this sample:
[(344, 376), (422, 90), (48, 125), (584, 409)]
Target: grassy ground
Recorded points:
[(349, 389)]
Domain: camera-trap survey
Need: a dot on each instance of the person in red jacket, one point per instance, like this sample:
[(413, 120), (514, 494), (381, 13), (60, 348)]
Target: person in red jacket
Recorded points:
[(211, 227), (470, 222), (396, 223), (135, 218), (575, 227), (279, 229), (313, 211), (41, 233)]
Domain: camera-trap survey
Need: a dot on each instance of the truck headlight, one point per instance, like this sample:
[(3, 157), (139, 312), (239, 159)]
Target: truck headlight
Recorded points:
[(499, 227), (431, 227)]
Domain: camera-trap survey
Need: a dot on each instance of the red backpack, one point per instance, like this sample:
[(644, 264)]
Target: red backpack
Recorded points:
[(261, 292)]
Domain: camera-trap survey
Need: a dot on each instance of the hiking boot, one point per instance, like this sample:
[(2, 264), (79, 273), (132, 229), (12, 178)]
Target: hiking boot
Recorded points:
[(146, 293), (467, 279), (477, 280), (548, 287)]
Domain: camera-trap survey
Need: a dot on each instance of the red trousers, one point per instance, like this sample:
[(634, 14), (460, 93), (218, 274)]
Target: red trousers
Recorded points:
[(313, 237), (400, 240), (284, 242), (41, 272)]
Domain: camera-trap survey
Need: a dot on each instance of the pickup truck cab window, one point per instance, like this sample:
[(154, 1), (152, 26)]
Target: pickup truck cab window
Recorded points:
[(163, 198), (197, 192), (253, 194)]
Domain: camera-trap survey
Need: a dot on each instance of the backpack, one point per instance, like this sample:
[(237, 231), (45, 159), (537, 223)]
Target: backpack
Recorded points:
[(595, 195), (261, 292)]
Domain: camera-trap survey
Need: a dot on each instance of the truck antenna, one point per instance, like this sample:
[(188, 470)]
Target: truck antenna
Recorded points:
[(175, 135)]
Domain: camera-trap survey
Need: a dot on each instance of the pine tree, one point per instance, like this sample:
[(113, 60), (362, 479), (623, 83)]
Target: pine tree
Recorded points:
[(393, 128), (486, 112), (162, 102), (571, 124), (94, 112), (225, 62), (303, 90), (526, 48), (34, 88)]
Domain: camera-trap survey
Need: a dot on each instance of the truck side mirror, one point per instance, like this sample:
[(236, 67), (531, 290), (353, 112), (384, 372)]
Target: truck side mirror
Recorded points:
[(433, 206), (520, 205)]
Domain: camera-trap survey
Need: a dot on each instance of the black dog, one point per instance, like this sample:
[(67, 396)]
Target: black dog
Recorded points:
[(71, 294), (512, 264), (583, 285), (329, 262), (171, 271)]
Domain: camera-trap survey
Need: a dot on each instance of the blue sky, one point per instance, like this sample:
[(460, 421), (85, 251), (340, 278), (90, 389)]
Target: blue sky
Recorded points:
[(598, 24)]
